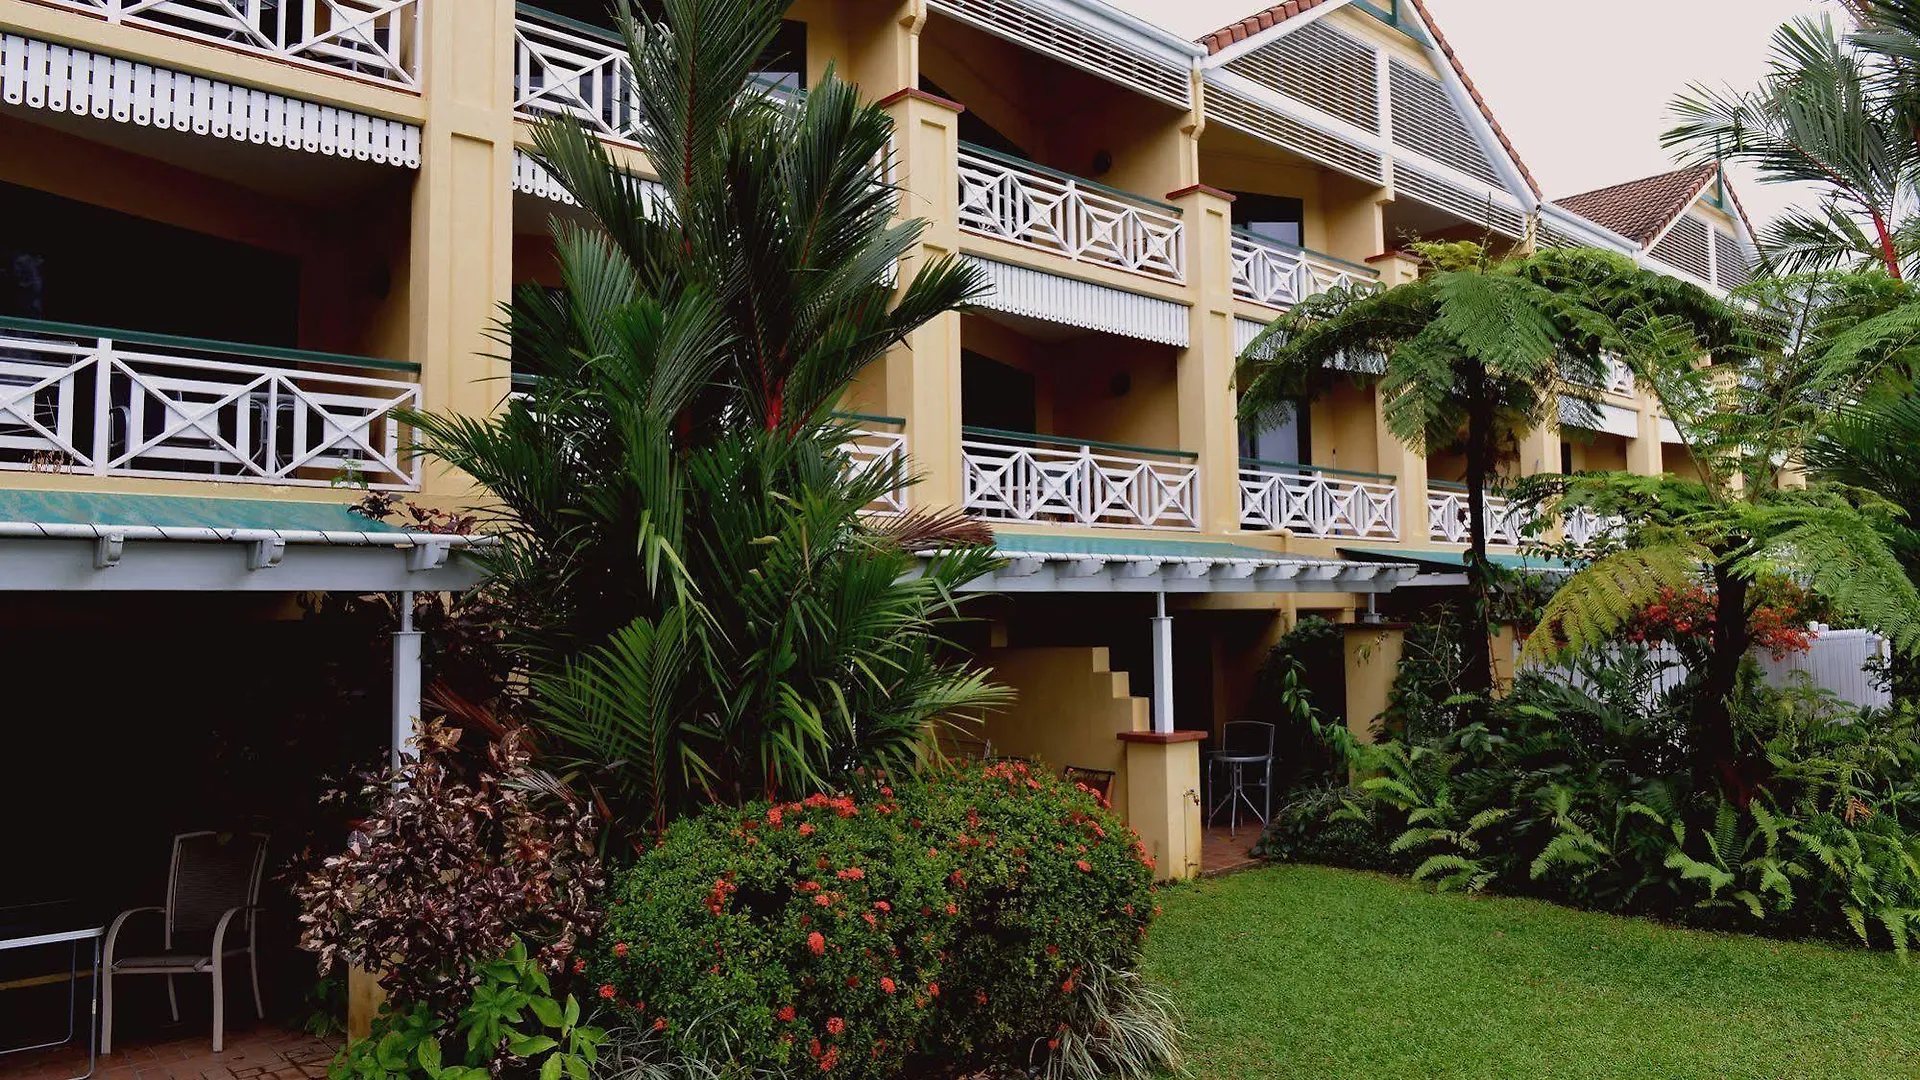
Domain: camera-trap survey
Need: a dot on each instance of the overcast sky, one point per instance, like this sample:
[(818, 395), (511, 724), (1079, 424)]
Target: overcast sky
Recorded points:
[(1582, 87)]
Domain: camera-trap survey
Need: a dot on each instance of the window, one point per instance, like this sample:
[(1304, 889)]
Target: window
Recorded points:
[(1271, 217), (784, 65), (1287, 443)]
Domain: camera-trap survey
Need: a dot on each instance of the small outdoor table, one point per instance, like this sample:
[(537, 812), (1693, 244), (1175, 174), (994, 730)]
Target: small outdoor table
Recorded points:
[(38, 925)]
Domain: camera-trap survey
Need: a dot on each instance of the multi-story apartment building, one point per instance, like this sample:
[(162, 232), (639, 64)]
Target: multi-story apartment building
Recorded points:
[(235, 233)]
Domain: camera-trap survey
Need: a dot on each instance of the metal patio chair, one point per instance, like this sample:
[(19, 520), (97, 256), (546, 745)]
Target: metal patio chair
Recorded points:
[(211, 884)]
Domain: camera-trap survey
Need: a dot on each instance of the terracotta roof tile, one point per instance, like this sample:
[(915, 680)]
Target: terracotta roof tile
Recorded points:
[(1639, 209), (1280, 13)]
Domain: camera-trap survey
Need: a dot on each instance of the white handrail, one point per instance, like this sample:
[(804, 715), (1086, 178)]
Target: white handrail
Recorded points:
[(1315, 503), (1583, 526), (1279, 276), (1068, 217), (1447, 518), (559, 70), (95, 406), (871, 450), (1033, 483), (374, 39)]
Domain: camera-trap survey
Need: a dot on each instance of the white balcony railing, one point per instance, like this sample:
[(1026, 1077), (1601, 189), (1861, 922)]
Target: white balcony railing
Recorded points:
[(1583, 526), (1271, 273), (73, 400), (1009, 476), (873, 449), (377, 40), (1447, 517), (1027, 204), (1619, 377), (567, 68), (1316, 502)]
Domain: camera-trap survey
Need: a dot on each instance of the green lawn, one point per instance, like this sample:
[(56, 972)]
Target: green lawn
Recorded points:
[(1298, 972)]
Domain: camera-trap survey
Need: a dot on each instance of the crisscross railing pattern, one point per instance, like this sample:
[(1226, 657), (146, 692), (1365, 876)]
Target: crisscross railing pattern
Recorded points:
[(375, 39), (1027, 204), (1313, 502), (1447, 517), (872, 449), (93, 404), (564, 68), (1277, 275), (1072, 483), (1583, 526)]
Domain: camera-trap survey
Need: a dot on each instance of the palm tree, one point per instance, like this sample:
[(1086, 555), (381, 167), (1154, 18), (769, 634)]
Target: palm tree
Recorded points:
[(700, 603), (1888, 31), (1475, 352), (1820, 117), (1747, 422)]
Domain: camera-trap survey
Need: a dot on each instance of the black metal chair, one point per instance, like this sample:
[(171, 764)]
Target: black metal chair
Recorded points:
[(1246, 747)]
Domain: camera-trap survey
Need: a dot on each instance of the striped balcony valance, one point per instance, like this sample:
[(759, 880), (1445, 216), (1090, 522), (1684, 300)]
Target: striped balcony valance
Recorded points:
[(61, 78), (1018, 290)]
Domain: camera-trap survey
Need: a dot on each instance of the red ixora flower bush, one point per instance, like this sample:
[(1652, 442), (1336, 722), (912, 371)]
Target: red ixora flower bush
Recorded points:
[(1685, 618), (448, 869), (945, 921)]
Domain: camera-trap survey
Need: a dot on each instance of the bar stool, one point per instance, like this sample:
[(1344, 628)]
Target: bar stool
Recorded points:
[(1244, 745)]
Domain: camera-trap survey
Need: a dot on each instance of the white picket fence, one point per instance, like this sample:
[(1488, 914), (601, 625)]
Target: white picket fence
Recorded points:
[(1837, 662)]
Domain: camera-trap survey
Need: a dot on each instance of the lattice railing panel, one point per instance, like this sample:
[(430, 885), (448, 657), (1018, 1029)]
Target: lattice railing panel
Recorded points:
[(1281, 276), (1314, 503), (1062, 215), (1447, 518), (374, 39), (886, 450), (562, 70), (99, 407), (1031, 483)]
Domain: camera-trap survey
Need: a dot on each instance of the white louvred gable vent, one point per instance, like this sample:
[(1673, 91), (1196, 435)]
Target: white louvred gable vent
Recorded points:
[(1732, 266), (1258, 120), (1032, 26), (1321, 67), (1425, 121), (1688, 247), (1481, 210)]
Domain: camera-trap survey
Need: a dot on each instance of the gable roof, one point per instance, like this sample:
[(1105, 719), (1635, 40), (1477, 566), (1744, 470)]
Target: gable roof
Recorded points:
[(1261, 21), (1640, 209)]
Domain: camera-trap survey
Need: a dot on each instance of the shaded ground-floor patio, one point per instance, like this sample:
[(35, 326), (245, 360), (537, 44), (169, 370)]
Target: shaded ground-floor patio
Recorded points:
[(263, 1052)]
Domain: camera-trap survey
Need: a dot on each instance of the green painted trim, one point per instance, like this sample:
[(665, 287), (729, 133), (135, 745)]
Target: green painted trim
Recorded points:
[(603, 33), (871, 418), (1447, 485), (1457, 560), (1023, 163), (1303, 467), (1391, 16), (1096, 444), (229, 348), (1298, 250)]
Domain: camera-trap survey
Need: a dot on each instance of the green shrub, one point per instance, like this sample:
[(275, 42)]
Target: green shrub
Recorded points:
[(950, 920)]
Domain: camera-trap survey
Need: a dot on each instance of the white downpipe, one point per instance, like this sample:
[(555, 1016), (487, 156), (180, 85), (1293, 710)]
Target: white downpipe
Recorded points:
[(1162, 665), (406, 682)]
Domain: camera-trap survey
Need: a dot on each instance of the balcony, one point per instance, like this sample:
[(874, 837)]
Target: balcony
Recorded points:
[(1583, 526), (1027, 204), (87, 400), (1447, 517), (1280, 275), (375, 40), (1012, 476), (1318, 502), (562, 67), (879, 442)]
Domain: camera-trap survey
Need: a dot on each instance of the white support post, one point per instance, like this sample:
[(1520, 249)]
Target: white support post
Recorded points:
[(1162, 665), (406, 681)]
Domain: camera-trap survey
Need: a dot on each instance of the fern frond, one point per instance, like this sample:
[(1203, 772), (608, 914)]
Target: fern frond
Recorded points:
[(1599, 600)]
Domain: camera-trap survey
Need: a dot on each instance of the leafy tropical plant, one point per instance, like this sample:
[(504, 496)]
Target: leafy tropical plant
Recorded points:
[(702, 605), (1819, 117), (1475, 352), (1746, 423)]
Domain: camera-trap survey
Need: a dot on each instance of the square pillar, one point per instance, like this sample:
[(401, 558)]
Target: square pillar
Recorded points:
[(1644, 454), (922, 375), (1373, 653), (1163, 798), (1209, 427)]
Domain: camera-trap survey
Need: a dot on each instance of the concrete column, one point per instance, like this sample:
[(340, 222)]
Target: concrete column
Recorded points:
[(1208, 427), (460, 259), (1409, 468), (922, 376), (406, 683), (1644, 454), (1373, 659), (1162, 634), (1163, 798), (1540, 450)]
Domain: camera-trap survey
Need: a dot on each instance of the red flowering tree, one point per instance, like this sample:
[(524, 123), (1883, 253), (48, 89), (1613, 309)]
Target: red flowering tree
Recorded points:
[(1777, 621), (952, 921)]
